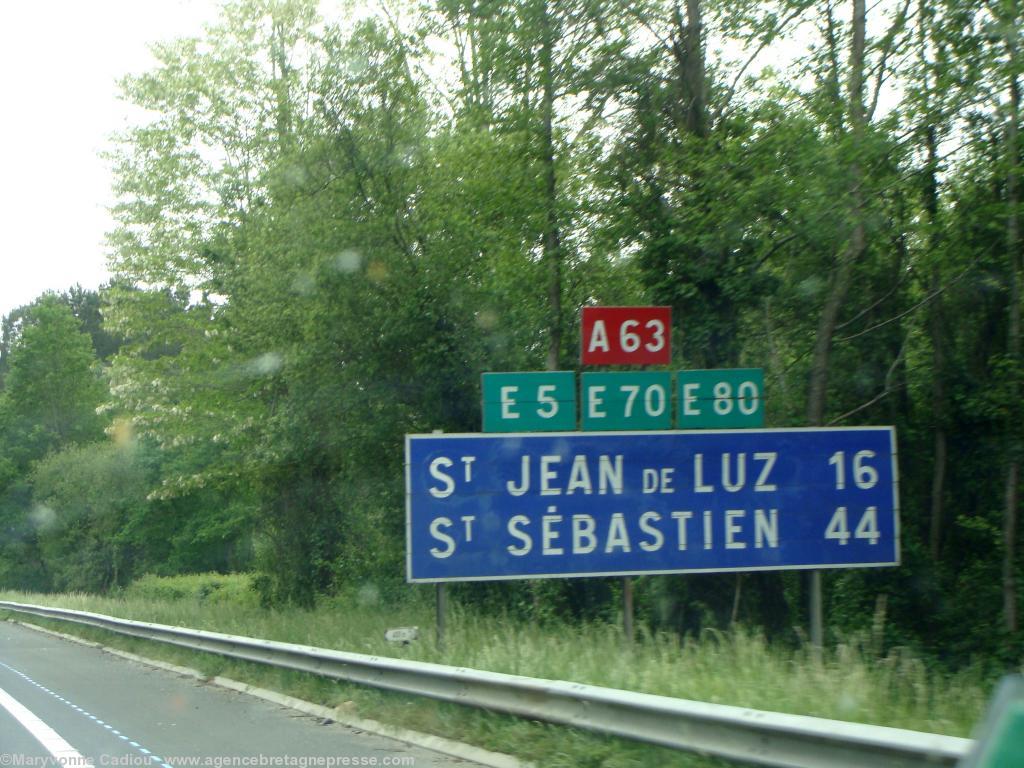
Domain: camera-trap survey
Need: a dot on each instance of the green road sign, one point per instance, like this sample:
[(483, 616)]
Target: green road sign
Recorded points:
[(541, 401), (728, 398), (635, 400), (999, 743)]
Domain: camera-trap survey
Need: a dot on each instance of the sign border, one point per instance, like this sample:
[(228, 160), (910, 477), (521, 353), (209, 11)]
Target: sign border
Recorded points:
[(600, 574)]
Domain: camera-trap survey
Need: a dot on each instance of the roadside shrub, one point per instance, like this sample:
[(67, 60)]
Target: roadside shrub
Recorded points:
[(207, 588)]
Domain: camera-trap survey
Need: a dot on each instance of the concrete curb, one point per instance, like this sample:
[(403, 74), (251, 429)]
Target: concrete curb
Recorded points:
[(337, 714)]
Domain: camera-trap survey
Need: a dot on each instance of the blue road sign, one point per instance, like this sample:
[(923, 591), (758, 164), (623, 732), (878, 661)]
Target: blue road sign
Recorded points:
[(604, 504)]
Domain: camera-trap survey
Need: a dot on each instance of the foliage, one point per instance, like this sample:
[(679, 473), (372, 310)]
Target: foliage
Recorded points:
[(51, 390), (740, 668), (327, 230), (209, 588), (86, 499)]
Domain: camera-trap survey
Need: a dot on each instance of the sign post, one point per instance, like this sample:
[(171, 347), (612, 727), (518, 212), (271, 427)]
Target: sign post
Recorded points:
[(627, 608), (817, 616), (441, 609)]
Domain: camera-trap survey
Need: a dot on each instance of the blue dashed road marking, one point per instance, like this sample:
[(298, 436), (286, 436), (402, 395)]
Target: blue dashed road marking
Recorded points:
[(151, 757)]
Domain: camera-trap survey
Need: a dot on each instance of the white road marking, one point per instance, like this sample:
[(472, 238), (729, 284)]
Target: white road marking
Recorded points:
[(44, 734), (152, 758)]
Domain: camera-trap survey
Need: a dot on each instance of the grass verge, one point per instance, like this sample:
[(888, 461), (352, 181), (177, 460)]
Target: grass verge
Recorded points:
[(737, 668)]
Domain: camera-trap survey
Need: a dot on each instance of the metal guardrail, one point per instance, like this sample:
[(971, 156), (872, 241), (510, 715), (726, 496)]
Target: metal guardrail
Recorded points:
[(737, 733)]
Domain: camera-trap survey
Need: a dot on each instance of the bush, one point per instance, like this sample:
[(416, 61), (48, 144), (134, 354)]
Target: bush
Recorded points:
[(209, 588)]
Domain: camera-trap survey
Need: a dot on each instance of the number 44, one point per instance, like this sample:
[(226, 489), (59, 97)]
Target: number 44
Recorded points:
[(867, 528)]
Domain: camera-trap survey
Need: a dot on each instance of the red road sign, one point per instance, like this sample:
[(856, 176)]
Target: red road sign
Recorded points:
[(626, 335)]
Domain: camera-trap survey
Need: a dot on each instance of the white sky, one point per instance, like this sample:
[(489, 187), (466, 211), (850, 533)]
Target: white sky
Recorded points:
[(59, 63)]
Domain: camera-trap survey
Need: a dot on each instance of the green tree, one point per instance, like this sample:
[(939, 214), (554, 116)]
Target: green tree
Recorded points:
[(52, 389), (84, 498)]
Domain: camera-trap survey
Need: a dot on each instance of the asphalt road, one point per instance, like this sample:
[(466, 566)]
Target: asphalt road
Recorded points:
[(66, 704)]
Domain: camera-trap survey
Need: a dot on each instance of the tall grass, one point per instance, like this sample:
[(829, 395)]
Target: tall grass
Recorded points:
[(740, 668)]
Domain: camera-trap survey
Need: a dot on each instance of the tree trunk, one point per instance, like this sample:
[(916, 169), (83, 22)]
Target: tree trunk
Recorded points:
[(936, 322), (688, 49), (282, 89), (842, 275), (551, 237), (843, 272), (940, 405), (1013, 349)]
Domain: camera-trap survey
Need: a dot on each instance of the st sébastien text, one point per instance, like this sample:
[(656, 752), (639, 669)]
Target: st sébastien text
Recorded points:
[(554, 533)]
